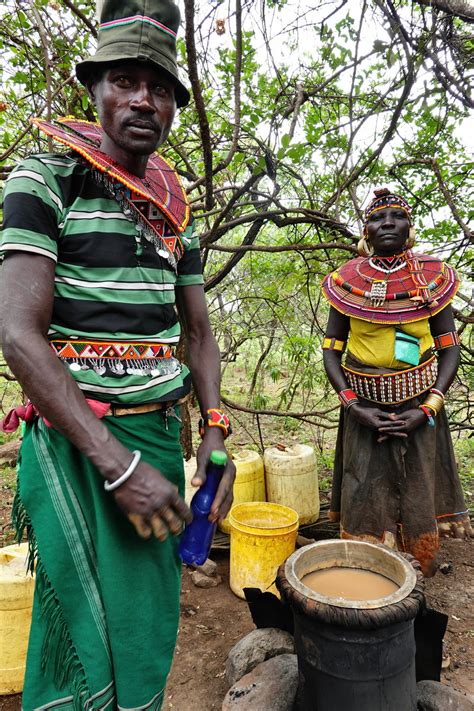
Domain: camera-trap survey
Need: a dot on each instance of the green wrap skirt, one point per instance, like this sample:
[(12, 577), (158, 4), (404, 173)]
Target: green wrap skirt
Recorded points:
[(106, 604)]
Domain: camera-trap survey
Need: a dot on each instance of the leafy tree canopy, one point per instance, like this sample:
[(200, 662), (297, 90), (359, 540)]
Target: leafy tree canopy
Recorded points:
[(298, 113)]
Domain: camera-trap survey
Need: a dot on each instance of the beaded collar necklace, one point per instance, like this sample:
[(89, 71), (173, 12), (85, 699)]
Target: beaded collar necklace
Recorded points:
[(388, 265), (160, 187)]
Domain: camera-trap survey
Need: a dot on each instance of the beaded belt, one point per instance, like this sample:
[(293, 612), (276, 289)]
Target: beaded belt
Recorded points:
[(105, 357), (392, 388)]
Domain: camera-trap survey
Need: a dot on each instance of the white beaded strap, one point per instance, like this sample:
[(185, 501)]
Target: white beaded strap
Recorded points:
[(127, 473)]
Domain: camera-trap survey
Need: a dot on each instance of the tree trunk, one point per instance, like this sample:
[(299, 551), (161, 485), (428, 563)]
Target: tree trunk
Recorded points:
[(461, 8)]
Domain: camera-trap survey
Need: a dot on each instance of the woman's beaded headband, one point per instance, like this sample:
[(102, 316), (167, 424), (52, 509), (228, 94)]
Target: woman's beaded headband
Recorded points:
[(384, 198)]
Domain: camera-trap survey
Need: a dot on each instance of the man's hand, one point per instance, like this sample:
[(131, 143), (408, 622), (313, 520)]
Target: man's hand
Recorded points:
[(213, 439), (152, 503)]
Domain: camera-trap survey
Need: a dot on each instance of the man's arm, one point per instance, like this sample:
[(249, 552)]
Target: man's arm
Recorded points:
[(27, 293), (204, 364)]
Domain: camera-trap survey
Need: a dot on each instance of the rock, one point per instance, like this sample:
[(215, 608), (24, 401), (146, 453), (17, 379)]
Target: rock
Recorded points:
[(446, 661), (434, 696), (446, 568), (204, 581), (208, 568), (271, 686), (9, 453), (255, 648)]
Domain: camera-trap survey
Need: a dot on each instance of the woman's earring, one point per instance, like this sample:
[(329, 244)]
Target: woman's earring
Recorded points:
[(411, 238), (364, 249)]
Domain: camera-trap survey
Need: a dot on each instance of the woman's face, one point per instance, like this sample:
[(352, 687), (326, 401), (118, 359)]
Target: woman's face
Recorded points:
[(387, 230)]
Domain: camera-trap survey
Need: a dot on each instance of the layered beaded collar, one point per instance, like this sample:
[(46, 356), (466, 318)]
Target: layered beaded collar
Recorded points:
[(400, 289), (160, 186)]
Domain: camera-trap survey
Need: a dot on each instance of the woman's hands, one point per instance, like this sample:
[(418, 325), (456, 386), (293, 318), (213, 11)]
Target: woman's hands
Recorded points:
[(152, 503), (389, 424)]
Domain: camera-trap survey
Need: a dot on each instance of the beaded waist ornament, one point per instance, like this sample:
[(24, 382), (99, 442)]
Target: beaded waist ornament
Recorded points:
[(393, 388), (106, 358)]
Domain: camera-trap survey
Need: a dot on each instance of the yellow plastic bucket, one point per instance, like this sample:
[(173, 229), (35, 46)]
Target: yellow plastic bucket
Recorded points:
[(249, 482), (292, 480), (262, 536), (16, 601)]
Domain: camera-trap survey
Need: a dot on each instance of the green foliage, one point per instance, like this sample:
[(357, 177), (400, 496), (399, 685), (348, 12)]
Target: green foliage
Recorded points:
[(331, 103), (8, 478)]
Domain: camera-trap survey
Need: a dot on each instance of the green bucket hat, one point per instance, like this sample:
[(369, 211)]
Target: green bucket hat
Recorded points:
[(140, 30)]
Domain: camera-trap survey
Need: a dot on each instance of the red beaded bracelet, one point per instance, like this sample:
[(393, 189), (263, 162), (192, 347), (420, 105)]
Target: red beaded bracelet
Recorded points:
[(347, 398), (215, 418), (428, 414)]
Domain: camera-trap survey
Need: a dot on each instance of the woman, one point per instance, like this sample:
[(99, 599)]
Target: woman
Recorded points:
[(395, 478)]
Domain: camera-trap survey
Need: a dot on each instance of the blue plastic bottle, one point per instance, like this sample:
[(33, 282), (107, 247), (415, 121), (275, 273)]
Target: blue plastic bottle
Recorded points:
[(197, 538)]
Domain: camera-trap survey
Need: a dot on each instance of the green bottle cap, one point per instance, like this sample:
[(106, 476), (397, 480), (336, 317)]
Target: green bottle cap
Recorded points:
[(218, 457)]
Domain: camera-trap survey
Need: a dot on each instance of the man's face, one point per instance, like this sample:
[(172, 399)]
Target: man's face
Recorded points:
[(136, 107)]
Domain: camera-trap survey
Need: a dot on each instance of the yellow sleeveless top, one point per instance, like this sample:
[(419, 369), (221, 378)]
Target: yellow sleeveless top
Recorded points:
[(374, 343)]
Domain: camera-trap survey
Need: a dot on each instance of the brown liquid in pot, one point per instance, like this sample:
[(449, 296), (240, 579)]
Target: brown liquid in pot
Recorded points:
[(349, 583)]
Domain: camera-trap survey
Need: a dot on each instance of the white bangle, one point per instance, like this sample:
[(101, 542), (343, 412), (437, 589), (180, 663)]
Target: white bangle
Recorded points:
[(108, 486)]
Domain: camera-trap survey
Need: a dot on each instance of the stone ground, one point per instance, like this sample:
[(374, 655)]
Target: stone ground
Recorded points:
[(212, 620)]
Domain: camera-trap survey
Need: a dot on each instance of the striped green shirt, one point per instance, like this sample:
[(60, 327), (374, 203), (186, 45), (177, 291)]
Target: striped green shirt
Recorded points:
[(104, 289)]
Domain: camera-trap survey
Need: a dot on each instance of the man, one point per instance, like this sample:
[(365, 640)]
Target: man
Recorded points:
[(98, 249)]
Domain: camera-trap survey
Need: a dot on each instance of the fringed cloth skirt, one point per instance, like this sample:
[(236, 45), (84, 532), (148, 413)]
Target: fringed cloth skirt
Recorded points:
[(106, 605), (404, 492)]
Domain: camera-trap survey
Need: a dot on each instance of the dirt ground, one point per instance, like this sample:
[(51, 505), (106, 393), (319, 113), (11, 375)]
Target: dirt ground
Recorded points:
[(213, 620)]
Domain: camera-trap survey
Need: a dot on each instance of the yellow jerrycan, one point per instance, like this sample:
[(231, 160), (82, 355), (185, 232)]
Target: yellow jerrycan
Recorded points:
[(16, 602), (292, 479), (189, 471), (249, 482)]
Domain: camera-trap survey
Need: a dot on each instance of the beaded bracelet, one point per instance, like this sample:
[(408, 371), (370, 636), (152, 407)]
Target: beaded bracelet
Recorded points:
[(437, 392), (347, 398), (215, 418), (111, 486), (428, 414)]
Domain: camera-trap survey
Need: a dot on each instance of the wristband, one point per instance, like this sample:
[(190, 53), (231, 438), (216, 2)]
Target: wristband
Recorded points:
[(428, 414), (437, 392), (111, 486), (215, 418), (434, 402), (347, 398)]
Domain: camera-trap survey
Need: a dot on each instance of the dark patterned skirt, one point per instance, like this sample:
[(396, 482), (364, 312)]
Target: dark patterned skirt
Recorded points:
[(404, 492)]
